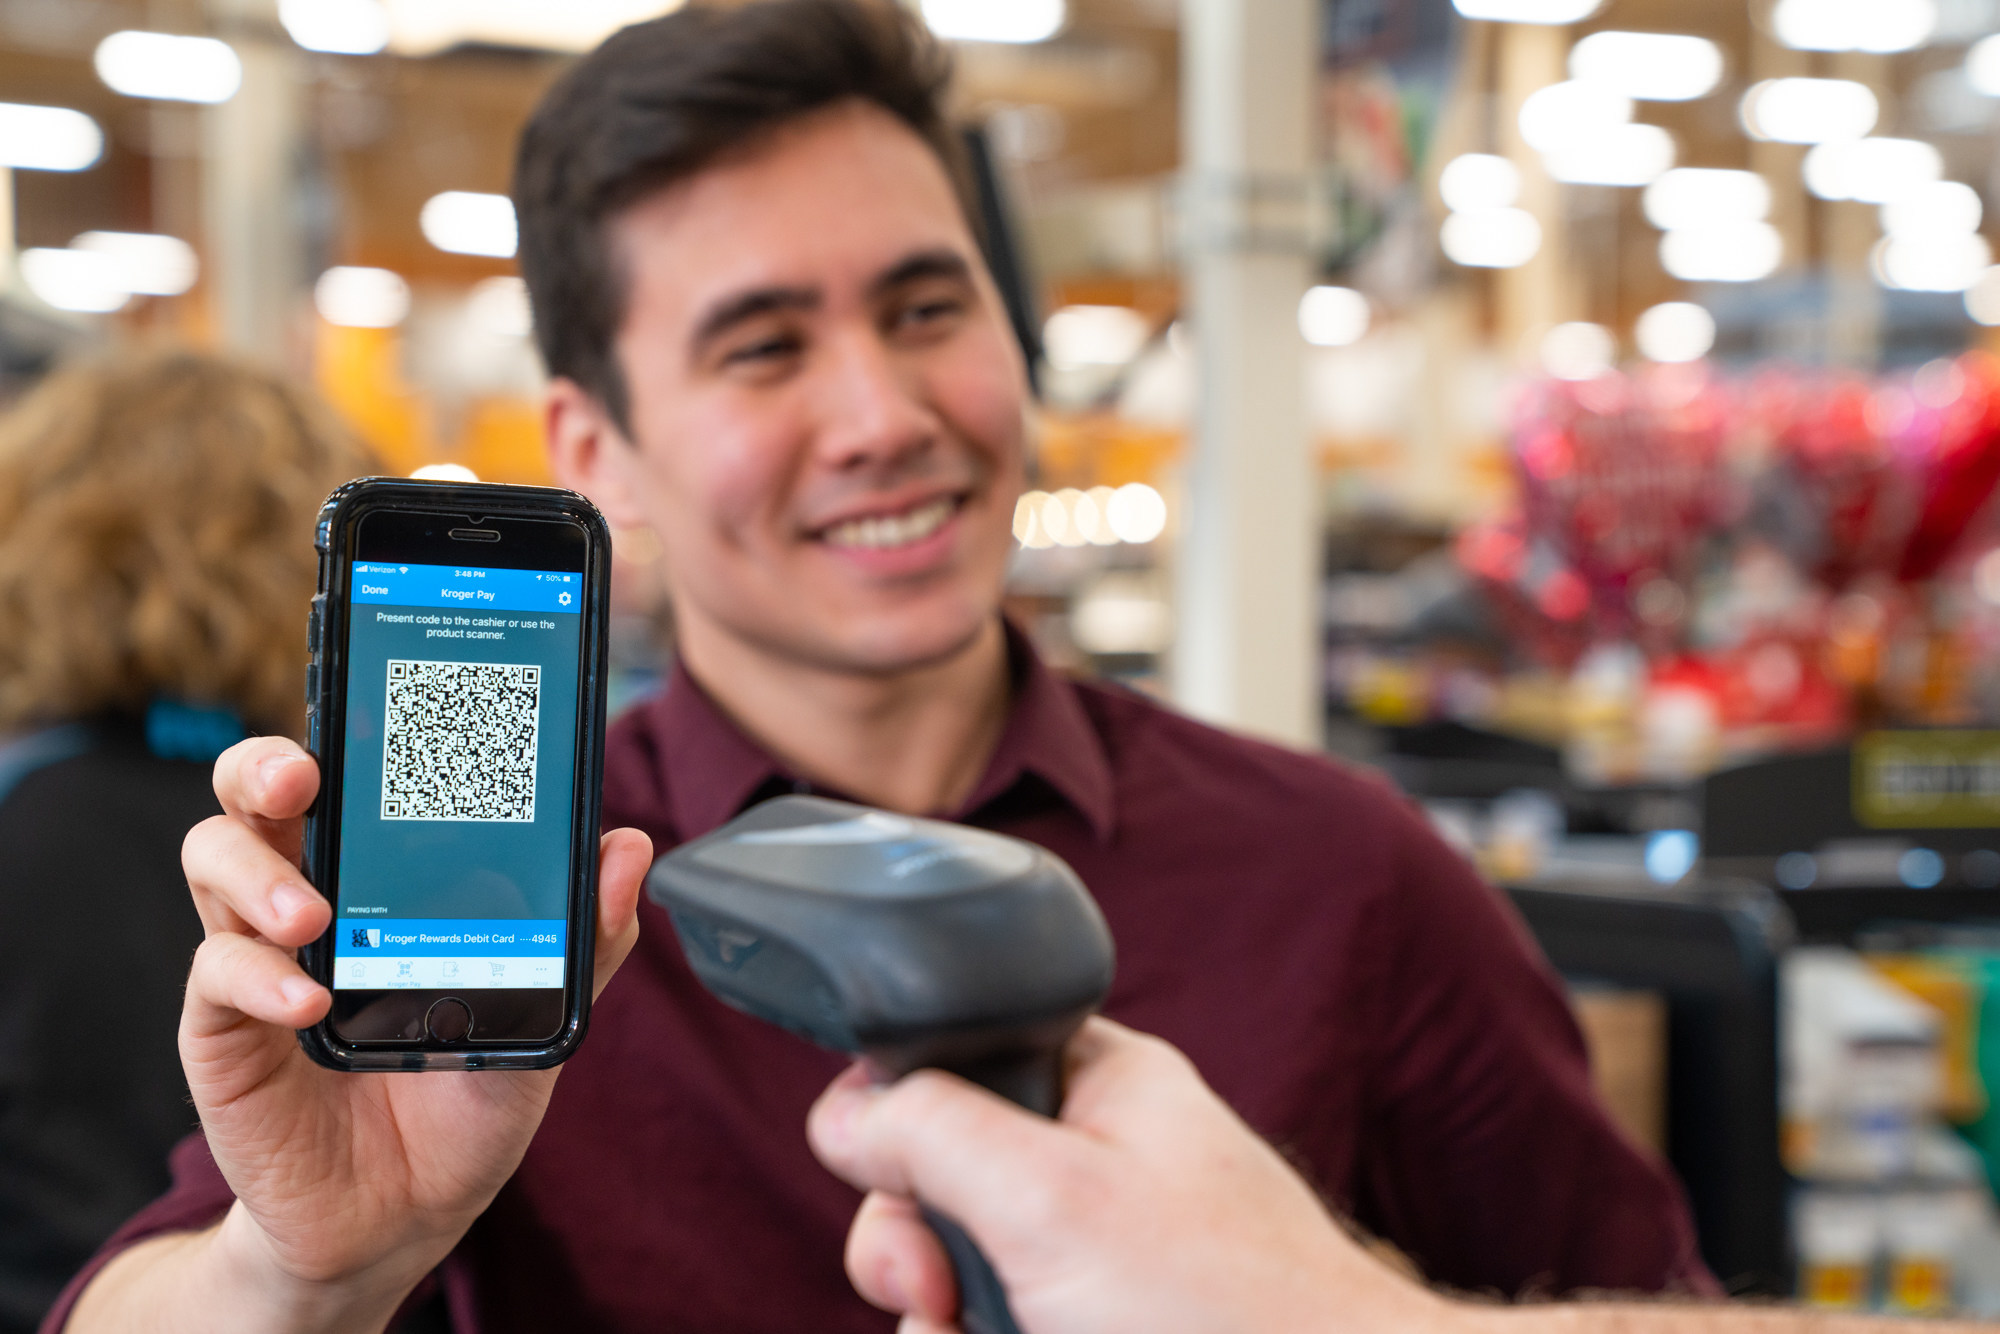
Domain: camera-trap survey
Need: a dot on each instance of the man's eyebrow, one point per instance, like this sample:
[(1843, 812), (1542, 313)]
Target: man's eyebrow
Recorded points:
[(737, 307), (939, 263)]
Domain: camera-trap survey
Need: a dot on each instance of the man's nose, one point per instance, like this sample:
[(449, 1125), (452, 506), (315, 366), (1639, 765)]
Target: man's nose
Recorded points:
[(873, 410)]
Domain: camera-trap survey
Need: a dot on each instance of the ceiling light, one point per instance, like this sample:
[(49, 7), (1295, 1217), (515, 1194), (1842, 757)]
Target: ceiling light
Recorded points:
[(1136, 512), (1491, 238), (1078, 336), (1873, 171), (1982, 299), (499, 306), (1087, 509), (1651, 66), (1693, 196), (1578, 351), (1940, 263), (73, 280), (1942, 207), (1674, 331), (1058, 521), (48, 138), (1808, 111), (1028, 521), (994, 20), (362, 298), (425, 27), (466, 223), (1615, 155), (144, 263), (1479, 180), (1982, 65), (172, 68), (343, 27), (1559, 114), (1854, 25), (1731, 253), (1333, 316), (1528, 11)]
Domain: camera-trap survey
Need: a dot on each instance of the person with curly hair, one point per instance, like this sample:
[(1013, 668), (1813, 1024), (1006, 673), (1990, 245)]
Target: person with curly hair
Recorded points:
[(156, 558)]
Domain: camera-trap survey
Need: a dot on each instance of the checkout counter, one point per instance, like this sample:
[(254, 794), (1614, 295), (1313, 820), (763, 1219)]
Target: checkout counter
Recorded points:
[(1843, 897)]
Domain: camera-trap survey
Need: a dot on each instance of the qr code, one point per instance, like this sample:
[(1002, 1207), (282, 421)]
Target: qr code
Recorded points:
[(458, 741)]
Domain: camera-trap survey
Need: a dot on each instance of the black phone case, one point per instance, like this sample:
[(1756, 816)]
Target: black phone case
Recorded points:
[(326, 638)]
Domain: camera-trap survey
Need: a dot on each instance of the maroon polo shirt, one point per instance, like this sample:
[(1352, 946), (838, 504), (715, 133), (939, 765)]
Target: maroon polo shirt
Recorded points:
[(1338, 974)]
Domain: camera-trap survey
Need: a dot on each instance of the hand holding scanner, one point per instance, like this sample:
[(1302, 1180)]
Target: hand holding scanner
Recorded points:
[(912, 942)]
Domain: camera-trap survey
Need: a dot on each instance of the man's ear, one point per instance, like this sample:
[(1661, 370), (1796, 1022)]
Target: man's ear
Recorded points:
[(588, 453)]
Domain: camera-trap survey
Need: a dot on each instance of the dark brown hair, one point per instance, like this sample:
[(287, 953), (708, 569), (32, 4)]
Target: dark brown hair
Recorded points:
[(660, 101)]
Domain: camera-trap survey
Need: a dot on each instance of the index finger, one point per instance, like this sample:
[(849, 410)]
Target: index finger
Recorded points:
[(943, 1140), (268, 782)]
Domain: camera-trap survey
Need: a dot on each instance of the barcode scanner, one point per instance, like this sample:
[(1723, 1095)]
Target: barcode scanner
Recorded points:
[(911, 942)]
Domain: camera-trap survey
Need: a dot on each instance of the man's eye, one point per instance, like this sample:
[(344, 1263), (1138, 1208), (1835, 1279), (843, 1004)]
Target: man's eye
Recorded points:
[(762, 350), (931, 312)]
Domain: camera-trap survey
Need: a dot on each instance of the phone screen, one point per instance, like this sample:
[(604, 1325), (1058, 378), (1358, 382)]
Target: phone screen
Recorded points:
[(458, 777)]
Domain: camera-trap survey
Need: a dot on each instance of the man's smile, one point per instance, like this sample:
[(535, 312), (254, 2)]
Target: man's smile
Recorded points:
[(883, 531)]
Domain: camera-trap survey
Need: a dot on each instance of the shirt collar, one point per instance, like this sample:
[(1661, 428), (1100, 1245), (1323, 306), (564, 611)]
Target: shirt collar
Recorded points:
[(1050, 736), (712, 770)]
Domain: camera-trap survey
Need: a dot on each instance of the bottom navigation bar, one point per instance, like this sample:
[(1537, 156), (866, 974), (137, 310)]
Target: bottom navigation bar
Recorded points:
[(393, 973)]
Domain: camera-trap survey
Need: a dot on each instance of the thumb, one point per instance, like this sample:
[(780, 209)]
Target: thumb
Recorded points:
[(624, 856)]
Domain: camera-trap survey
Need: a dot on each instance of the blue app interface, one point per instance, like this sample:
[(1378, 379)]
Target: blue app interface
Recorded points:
[(458, 777)]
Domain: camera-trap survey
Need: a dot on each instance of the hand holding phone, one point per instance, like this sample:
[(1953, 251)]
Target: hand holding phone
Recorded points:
[(350, 1186)]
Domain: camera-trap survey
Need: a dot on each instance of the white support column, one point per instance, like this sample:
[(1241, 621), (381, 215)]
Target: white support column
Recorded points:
[(9, 241), (253, 242), (1246, 647)]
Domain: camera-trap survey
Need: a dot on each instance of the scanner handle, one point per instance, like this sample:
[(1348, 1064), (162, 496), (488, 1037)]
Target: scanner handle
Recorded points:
[(982, 1300), (1032, 1080), (1028, 1079)]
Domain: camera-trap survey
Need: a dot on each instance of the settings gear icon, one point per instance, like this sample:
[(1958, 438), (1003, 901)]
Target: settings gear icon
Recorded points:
[(563, 598)]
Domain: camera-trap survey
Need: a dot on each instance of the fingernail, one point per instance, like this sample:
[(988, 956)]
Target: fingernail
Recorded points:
[(837, 1125), (895, 1290), (298, 990), (269, 769), (288, 900)]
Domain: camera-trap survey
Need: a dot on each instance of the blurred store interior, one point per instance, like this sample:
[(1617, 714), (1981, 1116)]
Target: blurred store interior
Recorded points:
[(1586, 411)]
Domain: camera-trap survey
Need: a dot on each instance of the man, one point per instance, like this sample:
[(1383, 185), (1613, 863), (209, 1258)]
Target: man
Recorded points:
[(772, 341), (1152, 1207)]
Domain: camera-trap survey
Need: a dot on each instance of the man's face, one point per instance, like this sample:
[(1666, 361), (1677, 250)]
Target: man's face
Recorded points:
[(826, 400)]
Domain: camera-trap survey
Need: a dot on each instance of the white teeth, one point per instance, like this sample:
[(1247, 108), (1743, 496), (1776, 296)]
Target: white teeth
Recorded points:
[(891, 530)]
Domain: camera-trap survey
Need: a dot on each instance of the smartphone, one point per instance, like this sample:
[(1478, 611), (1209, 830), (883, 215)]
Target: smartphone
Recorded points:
[(456, 708)]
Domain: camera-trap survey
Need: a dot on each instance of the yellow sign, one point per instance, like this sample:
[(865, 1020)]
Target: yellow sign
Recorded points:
[(1927, 780)]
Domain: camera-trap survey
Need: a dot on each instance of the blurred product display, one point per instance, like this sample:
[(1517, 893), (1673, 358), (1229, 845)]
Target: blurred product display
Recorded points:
[(1891, 1214), (1701, 569)]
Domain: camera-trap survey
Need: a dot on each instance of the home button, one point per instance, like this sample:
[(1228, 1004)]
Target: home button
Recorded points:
[(448, 1020)]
